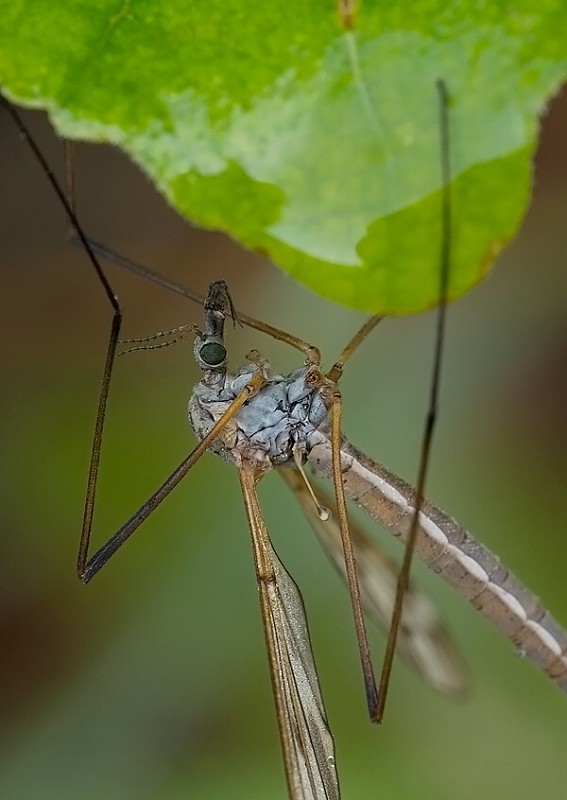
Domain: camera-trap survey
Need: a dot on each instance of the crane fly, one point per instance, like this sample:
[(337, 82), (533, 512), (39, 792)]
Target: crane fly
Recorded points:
[(258, 420)]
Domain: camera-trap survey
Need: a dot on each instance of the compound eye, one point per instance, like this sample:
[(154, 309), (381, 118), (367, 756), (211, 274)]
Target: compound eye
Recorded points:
[(213, 354)]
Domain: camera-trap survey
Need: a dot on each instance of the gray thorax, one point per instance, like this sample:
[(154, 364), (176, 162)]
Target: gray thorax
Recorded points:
[(280, 418)]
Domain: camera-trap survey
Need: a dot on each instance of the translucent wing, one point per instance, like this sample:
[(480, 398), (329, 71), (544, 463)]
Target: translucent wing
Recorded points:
[(422, 640), (307, 744)]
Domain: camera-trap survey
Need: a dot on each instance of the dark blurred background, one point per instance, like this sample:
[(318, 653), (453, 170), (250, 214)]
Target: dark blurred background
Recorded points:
[(152, 681)]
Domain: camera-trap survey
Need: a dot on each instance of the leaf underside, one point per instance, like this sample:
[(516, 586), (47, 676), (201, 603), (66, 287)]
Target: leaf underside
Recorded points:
[(312, 143)]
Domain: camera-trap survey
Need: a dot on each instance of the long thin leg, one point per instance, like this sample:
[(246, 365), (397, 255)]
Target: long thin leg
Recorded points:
[(336, 371), (312, 353), (113, 338), (350, 562), (403, 579), (87, 569)]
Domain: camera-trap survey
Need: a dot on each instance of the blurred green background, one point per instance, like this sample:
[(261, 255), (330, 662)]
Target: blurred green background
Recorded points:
[(152, 682)]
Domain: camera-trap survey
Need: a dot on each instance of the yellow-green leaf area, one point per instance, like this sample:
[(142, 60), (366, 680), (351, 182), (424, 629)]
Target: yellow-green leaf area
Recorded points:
[(314, 144)]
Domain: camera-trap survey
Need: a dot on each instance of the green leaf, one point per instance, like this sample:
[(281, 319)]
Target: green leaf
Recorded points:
[(306, 140)]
